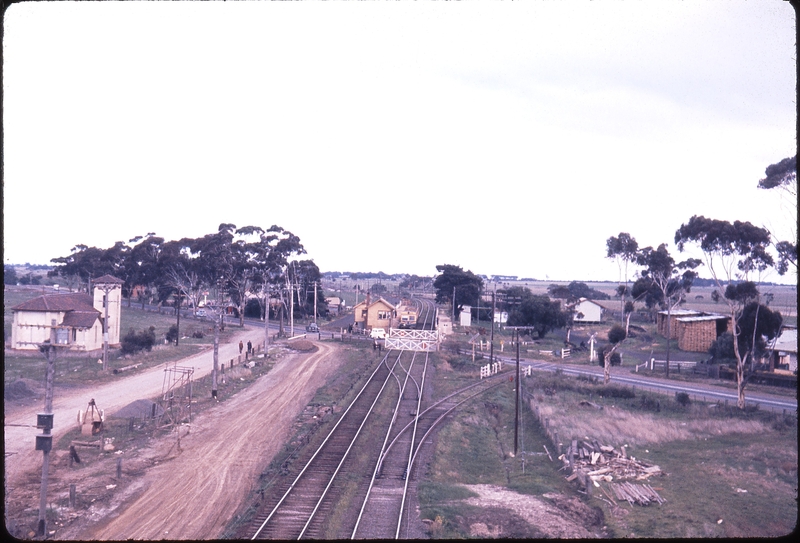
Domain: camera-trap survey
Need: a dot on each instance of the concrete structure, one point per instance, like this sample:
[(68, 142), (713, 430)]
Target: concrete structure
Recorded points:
[(465, 317), (77, 318)]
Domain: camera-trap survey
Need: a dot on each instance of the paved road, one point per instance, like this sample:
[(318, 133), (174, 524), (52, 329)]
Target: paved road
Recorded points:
[(696, 390)]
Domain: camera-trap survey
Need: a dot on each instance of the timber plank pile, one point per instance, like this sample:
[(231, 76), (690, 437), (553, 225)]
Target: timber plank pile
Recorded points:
[(592, 463)]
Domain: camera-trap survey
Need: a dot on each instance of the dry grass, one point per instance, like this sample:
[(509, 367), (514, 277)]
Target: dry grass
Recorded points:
[(615, 426)]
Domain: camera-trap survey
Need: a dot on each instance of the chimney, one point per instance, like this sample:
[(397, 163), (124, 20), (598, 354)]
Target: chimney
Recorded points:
[(367, 301)]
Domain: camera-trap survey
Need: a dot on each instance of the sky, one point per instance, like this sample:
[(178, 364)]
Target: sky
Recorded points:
[(507, 138)]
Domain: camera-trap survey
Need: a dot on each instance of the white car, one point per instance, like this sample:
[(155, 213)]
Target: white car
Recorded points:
[(378, 333)]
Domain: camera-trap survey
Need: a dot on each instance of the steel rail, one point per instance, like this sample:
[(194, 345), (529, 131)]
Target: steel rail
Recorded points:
[(322, 445), (347, 452)]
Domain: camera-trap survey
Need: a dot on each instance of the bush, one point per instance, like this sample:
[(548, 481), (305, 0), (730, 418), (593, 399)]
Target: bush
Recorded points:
[(134, 342), (615, 391), (198, 334), (616, 359), (682, 398), (252, 309), (616, 334), (172, 334)]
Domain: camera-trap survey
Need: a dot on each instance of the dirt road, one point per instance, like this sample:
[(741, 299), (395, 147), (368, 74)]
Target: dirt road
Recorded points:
[(19, 433), (195, 495)]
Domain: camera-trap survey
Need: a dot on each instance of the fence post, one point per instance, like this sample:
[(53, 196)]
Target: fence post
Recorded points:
[(119, 468), (72, 496)]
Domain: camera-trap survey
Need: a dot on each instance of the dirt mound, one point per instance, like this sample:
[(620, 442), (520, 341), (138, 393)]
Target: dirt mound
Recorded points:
[(302, 345), (22, 389), (140, 409)]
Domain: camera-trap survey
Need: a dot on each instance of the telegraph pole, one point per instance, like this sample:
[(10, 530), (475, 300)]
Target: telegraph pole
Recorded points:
[(44, 442), (516, 402)]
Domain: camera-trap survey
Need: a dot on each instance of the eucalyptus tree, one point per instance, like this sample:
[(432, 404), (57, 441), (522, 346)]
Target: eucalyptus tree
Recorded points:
[(783, 176), (624, 249), (178, 271), (732, 252), (85, 263), (666, 280)]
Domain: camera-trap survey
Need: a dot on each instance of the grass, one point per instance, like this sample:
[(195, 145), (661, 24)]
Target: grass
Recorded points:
[(711, 456)]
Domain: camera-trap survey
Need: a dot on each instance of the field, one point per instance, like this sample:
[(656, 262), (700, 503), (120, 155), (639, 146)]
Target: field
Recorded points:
[(728, 473)]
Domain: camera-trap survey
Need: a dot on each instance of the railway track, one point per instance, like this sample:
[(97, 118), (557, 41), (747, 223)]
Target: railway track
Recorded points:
[(299, 509), (377, 478)]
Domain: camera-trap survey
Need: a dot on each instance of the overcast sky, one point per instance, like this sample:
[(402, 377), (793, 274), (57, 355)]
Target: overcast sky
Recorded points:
[(506, 138)]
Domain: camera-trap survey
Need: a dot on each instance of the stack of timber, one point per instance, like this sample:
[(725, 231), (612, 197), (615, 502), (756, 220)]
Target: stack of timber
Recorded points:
[(592, 463)]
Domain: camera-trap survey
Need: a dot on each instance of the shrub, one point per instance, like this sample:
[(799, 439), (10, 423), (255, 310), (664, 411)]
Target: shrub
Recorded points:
[(614, 391), (172, 334), (616, 334), (134, 342), (198, 334), (682, 398), (616, 359)]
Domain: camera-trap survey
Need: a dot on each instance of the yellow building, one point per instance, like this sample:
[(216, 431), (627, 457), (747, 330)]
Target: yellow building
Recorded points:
[(377, 314), (75, 318)]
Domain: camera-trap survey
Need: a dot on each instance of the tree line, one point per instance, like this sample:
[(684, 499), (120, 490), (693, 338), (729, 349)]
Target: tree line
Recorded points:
[(242, 265)]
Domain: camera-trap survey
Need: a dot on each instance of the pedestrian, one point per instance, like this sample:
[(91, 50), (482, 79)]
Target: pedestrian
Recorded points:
[(249, 347), (241, 346), (374, 344)]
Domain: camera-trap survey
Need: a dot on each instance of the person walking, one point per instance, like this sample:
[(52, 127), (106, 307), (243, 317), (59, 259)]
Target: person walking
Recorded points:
[(241, 346)]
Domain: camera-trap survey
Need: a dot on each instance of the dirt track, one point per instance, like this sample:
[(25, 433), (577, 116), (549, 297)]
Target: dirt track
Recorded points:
[(195, 492), (195, 495)]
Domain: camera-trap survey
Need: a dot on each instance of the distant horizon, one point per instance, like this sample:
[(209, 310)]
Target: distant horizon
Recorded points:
[(518, 279)]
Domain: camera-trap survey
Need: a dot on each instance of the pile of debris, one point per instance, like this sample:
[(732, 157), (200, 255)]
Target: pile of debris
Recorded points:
[(592, 463)]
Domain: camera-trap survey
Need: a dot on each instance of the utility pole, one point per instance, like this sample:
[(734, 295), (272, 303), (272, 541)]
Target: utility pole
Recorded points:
[(44, 442), (516, 403), (315, 302), (178, 337), (491, 337)]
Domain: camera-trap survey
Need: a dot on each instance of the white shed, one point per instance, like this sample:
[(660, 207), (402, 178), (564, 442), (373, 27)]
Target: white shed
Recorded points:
[(588, 311)]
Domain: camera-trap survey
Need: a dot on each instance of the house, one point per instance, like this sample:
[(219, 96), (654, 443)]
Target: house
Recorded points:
[(75, 319), (377, 314), (694, 330), (587, 311), (335, 304), (783, 350)]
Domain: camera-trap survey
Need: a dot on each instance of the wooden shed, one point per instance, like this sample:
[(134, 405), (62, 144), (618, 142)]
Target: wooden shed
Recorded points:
[(698, 333)]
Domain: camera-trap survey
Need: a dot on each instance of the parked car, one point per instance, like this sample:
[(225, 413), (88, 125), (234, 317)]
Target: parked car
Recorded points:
[(312, 327), (201, 312), (378, 333)]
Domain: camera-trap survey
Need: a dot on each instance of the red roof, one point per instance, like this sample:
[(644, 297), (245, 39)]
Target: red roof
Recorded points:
[(58, 302), (107, 279)]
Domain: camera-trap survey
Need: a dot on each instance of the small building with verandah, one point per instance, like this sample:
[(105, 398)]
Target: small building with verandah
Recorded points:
[(783, 351)]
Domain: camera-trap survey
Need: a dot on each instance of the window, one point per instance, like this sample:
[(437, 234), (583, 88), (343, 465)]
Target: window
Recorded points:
[(384, 315)]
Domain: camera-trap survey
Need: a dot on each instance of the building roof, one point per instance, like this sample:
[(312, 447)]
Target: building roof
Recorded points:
[(107, 279), (58, 302), (786, 341), (700, 318), (80, 319), (681, 312)]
